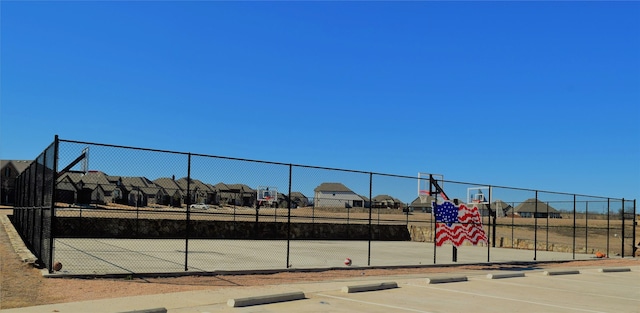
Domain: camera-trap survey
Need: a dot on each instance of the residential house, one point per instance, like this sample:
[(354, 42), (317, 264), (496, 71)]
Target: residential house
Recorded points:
[(419, 205), (9, 171), (298, 200), (247, 195), (137, 191), (172, 193), (93, 187), (501, 208), (387, 202), (66, 190), (236, 194), (535, 208), (336, 195), (199, 191)]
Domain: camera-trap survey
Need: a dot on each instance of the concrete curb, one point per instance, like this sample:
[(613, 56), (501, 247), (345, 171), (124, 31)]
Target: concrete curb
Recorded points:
[(442, 280), (505, 275), (614, 270), (369, 287), (16, 241), (156, 310), (234, 303), (569, 272)]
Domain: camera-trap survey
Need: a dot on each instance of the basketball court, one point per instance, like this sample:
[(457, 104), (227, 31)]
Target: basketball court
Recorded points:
[(138, 256)]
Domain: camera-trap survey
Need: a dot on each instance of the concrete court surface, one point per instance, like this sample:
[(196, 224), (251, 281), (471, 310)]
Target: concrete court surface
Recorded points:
[(127, 256), (589, 291)]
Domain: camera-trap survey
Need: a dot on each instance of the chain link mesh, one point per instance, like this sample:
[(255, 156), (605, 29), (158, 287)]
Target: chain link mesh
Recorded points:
[(104, 209)]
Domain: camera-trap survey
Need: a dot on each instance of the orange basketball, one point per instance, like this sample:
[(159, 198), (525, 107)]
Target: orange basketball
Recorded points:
[(600, 255)]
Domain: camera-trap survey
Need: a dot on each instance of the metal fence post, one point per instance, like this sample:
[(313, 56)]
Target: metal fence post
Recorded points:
[(535, 228), (52, 234), (635, 223), (495, 219), (547, 230), (188, 225), (31, 205), (586, 226), (608, 223), (574, 227), (370, 229), (42, 201), (623, 234), (289, 219), (35, 203), (434, 205), (513, 214)]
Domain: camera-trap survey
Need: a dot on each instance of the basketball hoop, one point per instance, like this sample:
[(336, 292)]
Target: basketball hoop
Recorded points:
[(424, 196)]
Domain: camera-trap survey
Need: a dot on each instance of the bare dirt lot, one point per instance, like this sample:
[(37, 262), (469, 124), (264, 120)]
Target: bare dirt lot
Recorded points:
[(23, 285)]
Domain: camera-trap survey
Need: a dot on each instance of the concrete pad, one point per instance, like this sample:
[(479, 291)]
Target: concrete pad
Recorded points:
[(613, 270), (559, 272), (369, 287), (234, 303), (505, 275), (442, 280), (81, 256), (156, 310), (587, 292)]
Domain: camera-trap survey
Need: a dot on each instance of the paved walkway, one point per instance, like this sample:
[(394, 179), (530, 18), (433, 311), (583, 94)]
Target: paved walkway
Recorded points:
[(589, 290), (581, 290)]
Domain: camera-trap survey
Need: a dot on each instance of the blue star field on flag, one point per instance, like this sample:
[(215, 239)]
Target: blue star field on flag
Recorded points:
[(446, 213)]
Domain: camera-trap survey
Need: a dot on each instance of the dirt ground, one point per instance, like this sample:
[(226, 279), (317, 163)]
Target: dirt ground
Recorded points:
[(22, 285)]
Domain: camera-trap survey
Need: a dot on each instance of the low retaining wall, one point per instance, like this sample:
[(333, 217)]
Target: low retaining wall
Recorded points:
[(92, 227), (425, 234)]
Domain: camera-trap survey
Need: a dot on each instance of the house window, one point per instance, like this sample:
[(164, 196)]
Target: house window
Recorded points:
[(7, 172)]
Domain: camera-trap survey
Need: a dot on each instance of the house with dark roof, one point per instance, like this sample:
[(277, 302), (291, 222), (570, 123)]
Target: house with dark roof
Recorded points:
[(386, 202), (172, 195), (136, 191), (298, 200), (336, 195), (9, 171), (199, 191), (93, 187), (501, 208), (236, 194), (419, 205), (535, 208), (247, 195)]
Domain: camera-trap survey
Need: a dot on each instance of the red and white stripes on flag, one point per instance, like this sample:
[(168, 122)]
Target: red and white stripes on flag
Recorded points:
[(457, 224)]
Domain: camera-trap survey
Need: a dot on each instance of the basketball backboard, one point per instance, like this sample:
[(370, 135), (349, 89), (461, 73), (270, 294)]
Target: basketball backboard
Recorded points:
[(479, 195), (267, 194)]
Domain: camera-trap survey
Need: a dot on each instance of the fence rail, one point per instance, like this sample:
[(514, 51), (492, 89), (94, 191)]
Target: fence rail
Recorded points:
[(88, 190)]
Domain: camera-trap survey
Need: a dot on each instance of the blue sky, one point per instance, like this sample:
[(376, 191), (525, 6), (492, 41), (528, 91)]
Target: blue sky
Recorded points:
[(542, 95)]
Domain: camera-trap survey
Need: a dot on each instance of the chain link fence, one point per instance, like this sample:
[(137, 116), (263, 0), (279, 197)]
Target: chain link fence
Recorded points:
[(107, 209)]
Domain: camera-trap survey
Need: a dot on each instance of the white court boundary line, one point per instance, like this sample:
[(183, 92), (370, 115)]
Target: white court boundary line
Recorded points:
[(510, 299), (373, 303)]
